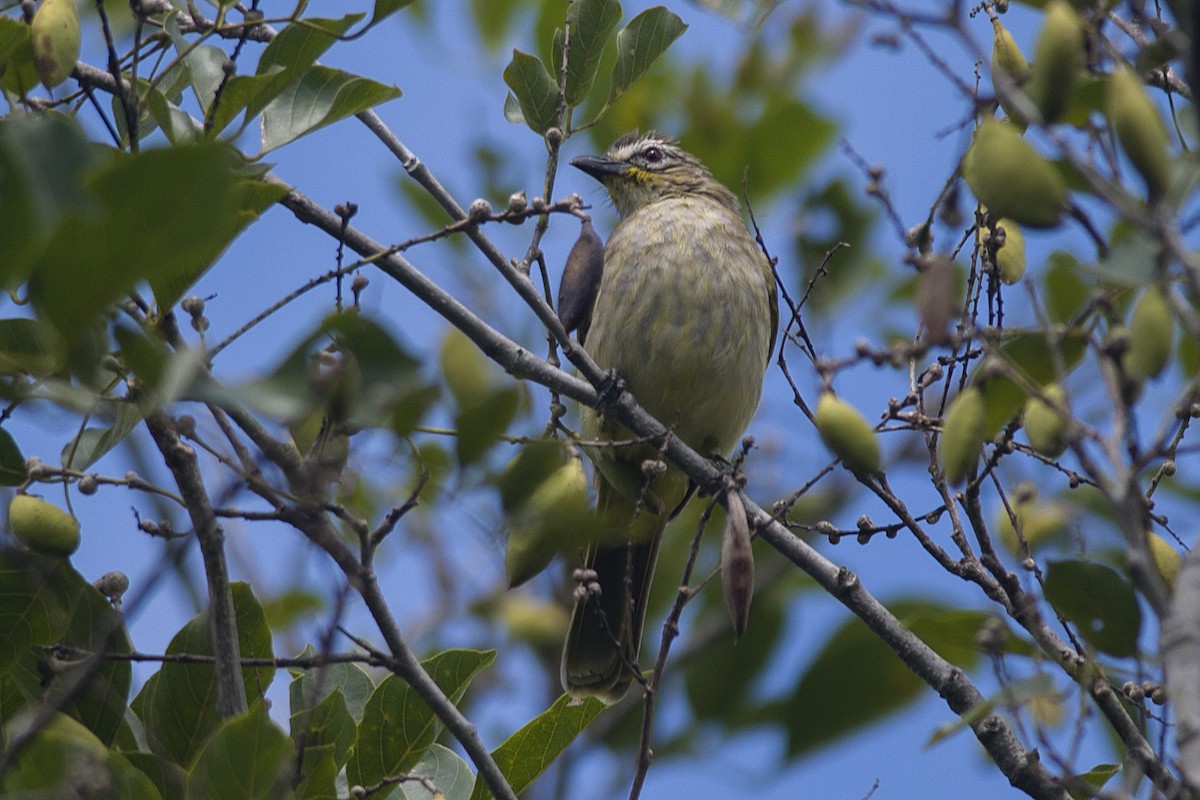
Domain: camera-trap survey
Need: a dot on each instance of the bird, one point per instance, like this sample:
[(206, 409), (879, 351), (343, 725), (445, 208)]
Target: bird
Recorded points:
[(683, 309)]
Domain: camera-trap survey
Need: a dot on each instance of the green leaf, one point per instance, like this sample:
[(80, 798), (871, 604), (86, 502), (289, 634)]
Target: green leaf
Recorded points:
[(527, 753), (494, 18), (1131, 257), (170, 779), (591, 21), (320, 97), (397, 727), (284, 60), (94, 259), (821, 710), (731, 668), (203, 64), (385, 8), (318, 774), (64, 759), (177, 125), (535, 89), (17, 71), (952, 633), (247, 757), (448, 772), (93, 443), (1099, 601), (35, 602), (640, 43), (1017, 693), (1095, 777), (1064, 292), (482, 424), (30, 347), (12, 461), (327, 723), (302, 42), (309, 687), (43, 158), (1030, 355), (100, 703), (178, 704)]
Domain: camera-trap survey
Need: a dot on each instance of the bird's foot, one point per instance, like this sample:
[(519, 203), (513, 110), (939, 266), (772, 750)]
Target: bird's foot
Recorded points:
[(611, 388)]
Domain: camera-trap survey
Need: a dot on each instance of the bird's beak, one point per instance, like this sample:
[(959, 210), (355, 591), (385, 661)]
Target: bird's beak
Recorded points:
[(599, 167)]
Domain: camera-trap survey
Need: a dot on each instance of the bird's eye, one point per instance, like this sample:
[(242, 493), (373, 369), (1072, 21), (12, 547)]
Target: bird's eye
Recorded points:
[(652, 155)]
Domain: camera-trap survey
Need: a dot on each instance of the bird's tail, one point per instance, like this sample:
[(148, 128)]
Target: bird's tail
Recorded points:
[(605, 635)]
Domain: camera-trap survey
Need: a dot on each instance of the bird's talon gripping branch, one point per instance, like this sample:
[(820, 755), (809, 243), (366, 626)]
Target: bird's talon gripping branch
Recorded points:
[(610, 389)]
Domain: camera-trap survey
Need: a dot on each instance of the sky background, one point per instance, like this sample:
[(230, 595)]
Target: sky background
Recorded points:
[(892, 107)]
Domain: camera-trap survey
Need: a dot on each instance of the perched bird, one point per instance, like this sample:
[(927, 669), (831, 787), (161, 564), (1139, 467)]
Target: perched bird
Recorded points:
[(684, 310)]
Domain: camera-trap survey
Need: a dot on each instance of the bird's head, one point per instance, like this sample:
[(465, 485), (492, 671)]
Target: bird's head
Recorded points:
[(640, 169)]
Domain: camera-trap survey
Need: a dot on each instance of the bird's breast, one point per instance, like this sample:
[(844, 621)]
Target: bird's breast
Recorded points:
[(683, 312)]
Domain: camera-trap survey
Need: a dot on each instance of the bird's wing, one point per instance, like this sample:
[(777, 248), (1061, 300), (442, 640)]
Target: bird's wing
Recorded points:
[(581, 281)]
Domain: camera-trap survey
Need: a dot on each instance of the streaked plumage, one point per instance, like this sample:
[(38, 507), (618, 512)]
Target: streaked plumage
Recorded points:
[(685, 311)]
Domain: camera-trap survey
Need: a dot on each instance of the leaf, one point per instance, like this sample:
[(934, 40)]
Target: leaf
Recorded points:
[(178, 704), (18, 74), (640, 43), (320, 97), (1064, 292), (397, 727), (1018, 693), (204, 64), (94, 259), (527, 753), (12, 462), (30, 347), (1095, 777), (100, 703), (177, 125), (310, 686), (731, 667), (448, 772), (1030, 355), (64, 759), (820, 710), (1099, 601), (35, 602), (247, 757), (93, 443), (318, 774), (169, 778), (293, 50), (43, 158), (327, 723), (535, 89), (385, 8), (591, 21), (481, 425), (1131, 258)]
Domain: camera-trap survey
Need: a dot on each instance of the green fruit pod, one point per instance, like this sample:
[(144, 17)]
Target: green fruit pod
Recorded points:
[(847, 434), (464, 368), (1007, 60), (1011, 179), (1045, 426), (43, 527), (544, 527), (1151, 335), (962, 435), (1167, 560), (1140, 129), (1010, 257), (56, 39), (1058, 59)]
